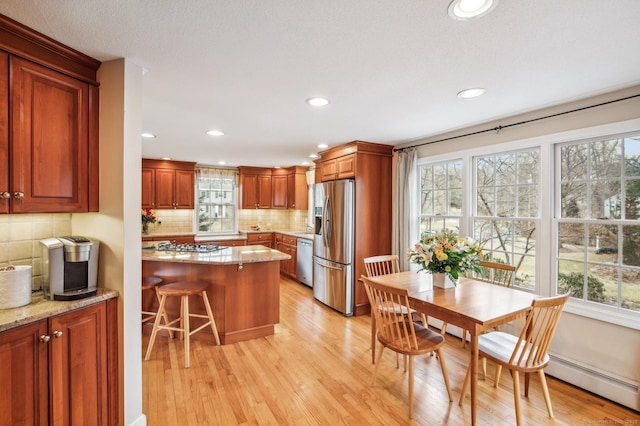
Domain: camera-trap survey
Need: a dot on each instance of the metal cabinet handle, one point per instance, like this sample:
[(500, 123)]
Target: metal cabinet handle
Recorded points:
[(44, 338), (18, 194), (57, 333), (5, 194)]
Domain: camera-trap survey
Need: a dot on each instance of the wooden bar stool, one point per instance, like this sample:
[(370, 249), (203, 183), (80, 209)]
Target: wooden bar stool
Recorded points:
[(183, 289), (149, 283)]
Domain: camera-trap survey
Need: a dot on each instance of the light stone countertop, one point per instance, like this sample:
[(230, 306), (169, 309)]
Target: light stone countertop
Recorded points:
[(226, 256), (41, 308)]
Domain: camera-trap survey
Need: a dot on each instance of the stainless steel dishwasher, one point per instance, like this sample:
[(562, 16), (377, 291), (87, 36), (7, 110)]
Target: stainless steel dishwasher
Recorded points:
[(304, 269)]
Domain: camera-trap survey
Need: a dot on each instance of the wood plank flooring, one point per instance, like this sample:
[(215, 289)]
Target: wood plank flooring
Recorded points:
[(316, 370)]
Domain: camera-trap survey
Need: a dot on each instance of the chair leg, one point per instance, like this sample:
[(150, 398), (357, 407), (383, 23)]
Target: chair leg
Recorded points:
[(207, 306), (410, 387), (154, 331), (484, 369), (526, 384), (443, 330), (516, 395), (375, 369), (545, 391), (465, 385), (464, 338), (187, 331), (445, 375), (162, 312), (498, 371)]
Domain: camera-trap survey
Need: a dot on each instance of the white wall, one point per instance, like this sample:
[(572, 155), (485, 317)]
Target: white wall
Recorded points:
[(117, 225), (596, 355)]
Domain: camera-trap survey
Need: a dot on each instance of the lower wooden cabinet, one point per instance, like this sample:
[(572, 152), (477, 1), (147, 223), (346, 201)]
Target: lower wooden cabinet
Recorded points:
[(228, 243), (288, 245), (61, 370), (262, 238)]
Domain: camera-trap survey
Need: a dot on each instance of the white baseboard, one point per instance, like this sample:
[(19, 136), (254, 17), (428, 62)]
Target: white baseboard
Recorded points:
[(140, 421)]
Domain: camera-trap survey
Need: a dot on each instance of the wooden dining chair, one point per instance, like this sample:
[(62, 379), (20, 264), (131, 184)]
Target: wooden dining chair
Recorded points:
[(383, 265), (398, 332), (494, 273), (526, 353)]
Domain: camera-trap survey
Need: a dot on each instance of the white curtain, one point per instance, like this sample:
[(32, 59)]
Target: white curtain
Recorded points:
[(404, 202), (217, 173)]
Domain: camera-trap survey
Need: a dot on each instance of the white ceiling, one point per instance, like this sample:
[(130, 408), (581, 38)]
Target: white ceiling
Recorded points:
[(391, 68)]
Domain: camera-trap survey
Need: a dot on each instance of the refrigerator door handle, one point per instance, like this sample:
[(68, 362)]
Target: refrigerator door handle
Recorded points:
[(326, 213), (324, 265)]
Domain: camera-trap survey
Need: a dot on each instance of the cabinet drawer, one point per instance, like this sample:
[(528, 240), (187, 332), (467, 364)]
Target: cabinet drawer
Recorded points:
[(259, 238), (229, 243), (286, 239)]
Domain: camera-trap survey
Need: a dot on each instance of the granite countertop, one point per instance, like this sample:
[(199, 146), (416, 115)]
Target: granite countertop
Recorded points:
[(297, 234), (225, 256), (41, 308)]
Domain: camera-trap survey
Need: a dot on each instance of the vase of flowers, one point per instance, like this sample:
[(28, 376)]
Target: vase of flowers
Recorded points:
[(147, 217), (446, 256)]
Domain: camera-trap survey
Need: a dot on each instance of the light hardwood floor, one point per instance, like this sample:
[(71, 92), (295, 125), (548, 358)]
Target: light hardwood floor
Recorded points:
[(316, 370)]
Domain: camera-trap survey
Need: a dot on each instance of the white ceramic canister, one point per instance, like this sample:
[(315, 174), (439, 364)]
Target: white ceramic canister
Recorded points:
[(15, 287)]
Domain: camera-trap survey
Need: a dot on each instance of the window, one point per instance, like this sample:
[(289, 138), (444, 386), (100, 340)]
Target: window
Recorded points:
[(598, 220), (441, 196), (216, 204), (506, 213)]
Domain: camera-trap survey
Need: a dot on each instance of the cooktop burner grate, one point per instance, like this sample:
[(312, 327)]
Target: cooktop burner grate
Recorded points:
[(191, 247)]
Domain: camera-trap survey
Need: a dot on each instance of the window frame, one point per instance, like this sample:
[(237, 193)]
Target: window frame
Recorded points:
[(234, 203), (546, 267)]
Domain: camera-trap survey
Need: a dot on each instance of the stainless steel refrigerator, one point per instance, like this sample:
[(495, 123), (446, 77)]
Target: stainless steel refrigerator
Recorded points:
[(333, 245)]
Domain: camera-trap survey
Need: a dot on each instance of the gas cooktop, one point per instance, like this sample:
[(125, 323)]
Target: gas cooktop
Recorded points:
[(191, 248)]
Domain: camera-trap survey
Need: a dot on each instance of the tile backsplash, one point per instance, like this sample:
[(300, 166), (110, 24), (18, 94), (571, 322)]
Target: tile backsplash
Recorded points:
[(20, 236), (181, 221)]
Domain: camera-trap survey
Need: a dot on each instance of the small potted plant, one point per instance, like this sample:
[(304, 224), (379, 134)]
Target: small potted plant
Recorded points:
[(445, 255)]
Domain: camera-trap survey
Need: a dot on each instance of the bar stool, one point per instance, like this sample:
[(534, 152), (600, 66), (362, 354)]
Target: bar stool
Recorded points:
[(182, 289), (149, 283)]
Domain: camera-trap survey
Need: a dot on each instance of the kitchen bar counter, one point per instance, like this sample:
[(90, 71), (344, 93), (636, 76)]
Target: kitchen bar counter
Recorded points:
[(225, 256), (243, 288), (41, 308)]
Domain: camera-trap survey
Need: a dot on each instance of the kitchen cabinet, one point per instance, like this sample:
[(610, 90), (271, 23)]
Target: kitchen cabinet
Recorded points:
[(228, 243), (288, 245), (255, 185), (178, 239), (297, 188), (61, 370), (48, 124), (279, 189), (338, 168), (168, 184), (369, 165), (263, 238)]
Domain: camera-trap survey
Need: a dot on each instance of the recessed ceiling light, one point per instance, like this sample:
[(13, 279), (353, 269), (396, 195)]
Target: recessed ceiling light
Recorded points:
[(215, 133), (148, 135), (461, 10), (471, 93), (222, 163), (317, 101), (314, 156), (305, 163), (166, 158), (323, 146)]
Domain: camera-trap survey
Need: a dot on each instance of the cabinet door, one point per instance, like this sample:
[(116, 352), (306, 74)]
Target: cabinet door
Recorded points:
[(298, 192), (328, 170), (79, 389), (346, 166), (49, 140), (249, 185), (184, 189), (264, 192), (165, 182), (23, 374), (279, 188), (4, 133), (148, 188)]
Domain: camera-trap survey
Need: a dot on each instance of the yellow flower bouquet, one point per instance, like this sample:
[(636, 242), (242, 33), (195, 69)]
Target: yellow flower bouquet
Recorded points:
[(445, 252)]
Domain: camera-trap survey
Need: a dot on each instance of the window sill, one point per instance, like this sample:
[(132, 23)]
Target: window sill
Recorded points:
[(624, 318)]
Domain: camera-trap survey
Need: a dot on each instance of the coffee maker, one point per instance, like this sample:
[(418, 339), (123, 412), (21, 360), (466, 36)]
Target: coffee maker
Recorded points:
[(70, 267)]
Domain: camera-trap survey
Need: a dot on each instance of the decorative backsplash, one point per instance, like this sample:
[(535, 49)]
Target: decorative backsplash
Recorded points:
[(20, 236), (181, 221)]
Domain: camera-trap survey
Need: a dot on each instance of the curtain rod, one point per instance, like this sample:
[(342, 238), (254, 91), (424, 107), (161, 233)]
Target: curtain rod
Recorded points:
[(498, 128)]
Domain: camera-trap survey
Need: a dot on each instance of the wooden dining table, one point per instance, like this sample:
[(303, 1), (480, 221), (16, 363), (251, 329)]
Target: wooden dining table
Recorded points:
[(473, 305)]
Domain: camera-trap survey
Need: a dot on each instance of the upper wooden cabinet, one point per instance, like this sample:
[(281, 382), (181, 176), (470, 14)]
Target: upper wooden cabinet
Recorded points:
[(49, 152), (168, 184), (255, 184), (264, 188), (370, 165)]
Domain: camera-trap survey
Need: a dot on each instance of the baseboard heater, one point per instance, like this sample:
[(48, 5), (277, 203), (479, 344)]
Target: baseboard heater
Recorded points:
[(617, 389)]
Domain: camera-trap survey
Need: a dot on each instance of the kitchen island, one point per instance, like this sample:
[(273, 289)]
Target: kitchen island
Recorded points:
[(243, 287)]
